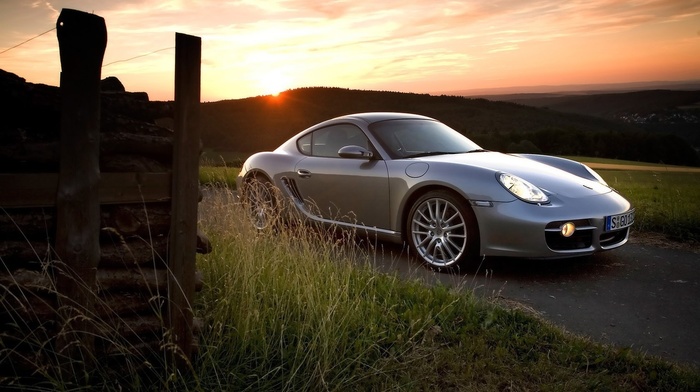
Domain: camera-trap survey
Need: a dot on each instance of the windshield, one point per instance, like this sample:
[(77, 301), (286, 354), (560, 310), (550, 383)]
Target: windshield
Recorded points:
[(416, 137)]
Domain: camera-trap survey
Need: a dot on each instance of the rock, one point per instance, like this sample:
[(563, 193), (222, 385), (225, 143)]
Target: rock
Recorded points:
[(111, 83)]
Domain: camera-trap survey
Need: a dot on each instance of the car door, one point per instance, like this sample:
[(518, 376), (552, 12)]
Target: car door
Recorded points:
[(347, 190)]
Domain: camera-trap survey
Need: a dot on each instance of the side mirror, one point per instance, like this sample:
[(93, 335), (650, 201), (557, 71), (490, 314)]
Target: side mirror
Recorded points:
[(355, 152)]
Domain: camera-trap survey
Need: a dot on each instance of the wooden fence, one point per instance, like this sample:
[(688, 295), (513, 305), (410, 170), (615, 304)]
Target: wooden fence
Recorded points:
[(98, 214)]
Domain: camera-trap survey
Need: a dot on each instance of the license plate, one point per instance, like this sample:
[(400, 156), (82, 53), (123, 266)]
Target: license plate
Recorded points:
[(620, 221)]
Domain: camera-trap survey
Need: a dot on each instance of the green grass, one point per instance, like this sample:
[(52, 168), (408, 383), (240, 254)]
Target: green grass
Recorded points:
[(665, 202), (301, 310), (222, 158), (220, 176)]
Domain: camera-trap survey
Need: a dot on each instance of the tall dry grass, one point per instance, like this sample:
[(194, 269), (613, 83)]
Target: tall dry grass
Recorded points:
[(297, 308)]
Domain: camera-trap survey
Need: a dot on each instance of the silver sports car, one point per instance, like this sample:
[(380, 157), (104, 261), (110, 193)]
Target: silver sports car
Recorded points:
[(410, 178)]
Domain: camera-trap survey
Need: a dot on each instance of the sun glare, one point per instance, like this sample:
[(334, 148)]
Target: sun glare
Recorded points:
[(274, 84)]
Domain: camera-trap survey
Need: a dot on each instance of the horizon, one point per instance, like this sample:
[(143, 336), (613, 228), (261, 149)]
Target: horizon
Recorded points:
[(571, 89), (262, 48), (583, 88), (684, 85)]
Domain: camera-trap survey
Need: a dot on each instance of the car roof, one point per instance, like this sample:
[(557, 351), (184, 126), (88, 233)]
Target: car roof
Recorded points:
[(372, 117)]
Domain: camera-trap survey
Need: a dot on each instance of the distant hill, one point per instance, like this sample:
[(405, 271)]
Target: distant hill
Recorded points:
[(262, 123), (578, 89), (671, 112), (650, 126)]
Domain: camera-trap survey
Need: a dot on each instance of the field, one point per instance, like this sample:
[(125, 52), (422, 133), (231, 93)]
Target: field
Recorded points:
[(221, 176), (666, 202), (606, 161)]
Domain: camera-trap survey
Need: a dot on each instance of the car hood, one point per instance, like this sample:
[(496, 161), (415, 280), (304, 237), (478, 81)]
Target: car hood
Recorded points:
[(549, 179)]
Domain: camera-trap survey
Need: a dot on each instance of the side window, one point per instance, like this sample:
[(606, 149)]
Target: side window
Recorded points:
[(327, 141), (304, 144)]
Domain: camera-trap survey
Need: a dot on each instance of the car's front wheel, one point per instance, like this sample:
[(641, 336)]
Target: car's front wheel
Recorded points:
[(260, 201), (442, 230)]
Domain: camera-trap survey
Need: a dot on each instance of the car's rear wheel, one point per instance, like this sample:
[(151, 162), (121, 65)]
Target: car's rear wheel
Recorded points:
[(442, 230), (260, 202)]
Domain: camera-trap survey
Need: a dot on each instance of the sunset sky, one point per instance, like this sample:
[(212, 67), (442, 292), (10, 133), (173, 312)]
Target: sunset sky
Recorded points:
[(258, 47)]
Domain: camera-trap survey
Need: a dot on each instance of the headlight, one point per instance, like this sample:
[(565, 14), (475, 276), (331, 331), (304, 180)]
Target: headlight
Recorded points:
[(522, 189)]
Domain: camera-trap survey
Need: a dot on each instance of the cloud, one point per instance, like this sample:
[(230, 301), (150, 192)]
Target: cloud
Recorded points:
[(371, 41), (349, 40)]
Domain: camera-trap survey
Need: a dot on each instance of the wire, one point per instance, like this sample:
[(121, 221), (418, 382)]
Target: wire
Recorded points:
[(104, 65), (22, 43), (135, 57)]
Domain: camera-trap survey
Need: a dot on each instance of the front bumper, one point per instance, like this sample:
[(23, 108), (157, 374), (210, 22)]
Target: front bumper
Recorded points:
[(527, 230)]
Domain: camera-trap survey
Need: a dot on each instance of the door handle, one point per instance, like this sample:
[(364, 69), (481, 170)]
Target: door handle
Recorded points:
[(303, 173)]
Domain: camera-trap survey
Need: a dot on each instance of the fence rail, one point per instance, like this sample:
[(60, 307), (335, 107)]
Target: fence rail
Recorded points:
[(39, 189)]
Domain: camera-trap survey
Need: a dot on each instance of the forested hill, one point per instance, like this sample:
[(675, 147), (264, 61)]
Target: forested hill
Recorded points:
[(674, 112), (262, 123), (610, 105)]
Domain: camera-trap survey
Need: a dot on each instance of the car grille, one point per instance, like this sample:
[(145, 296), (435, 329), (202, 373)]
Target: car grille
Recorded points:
[(613, 238), (581, 239)]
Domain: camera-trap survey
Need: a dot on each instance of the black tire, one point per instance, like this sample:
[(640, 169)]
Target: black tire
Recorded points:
[(260, 201), (442, 230)]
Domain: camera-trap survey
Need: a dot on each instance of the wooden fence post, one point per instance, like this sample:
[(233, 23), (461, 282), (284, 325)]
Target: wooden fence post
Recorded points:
[(82, 40), (185, 193)]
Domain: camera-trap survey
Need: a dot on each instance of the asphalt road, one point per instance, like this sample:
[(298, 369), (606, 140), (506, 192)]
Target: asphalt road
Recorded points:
[(641, 296)]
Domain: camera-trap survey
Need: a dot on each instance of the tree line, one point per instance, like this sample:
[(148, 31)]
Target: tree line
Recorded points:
[(262, 123), (639, 146)]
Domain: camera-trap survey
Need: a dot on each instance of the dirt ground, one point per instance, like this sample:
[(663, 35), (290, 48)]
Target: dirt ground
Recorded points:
[(659, 240), (610, 166)]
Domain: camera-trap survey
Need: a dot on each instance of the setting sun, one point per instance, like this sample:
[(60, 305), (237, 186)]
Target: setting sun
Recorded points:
[(274, 83)]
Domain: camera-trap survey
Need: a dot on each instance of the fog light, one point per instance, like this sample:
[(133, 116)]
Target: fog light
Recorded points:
[(568, 229)]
